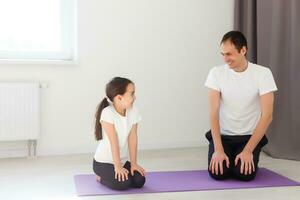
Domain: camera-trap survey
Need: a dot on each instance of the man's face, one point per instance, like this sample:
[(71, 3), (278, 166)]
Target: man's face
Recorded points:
[(231, 55)]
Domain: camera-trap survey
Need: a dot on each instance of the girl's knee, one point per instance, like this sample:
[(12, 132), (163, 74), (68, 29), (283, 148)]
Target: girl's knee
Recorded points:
[(123, 185), (117, 185), (138, 180)]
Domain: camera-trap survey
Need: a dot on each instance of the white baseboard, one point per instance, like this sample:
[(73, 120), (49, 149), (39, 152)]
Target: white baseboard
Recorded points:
[(13, 149), (19, 149), (178, 143)]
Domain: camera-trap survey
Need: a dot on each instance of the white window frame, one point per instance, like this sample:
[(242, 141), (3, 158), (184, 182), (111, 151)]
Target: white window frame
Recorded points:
[(68, 55)]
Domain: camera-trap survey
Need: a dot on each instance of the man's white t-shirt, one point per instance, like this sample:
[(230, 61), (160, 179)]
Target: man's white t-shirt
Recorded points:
[(123, 125), (240, 108)]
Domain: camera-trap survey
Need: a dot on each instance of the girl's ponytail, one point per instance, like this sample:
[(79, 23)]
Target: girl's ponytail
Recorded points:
[(98, 128)]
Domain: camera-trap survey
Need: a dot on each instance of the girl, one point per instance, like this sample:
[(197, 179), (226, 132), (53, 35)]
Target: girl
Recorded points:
[(116, 128)]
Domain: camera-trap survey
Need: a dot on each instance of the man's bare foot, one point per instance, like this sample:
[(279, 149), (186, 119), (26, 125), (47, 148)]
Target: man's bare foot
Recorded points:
[(98, 178)]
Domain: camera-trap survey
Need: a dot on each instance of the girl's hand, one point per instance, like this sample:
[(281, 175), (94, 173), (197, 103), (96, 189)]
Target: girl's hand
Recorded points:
[(135, 167), (121, 173)]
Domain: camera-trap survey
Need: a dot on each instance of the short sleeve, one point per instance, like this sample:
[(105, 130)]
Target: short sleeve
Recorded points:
[(135, 116), (267, 83), (107, 115), (212, 80)]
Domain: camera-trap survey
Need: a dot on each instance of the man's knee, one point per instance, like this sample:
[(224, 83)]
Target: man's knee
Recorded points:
[(242, 176), (220, 176)]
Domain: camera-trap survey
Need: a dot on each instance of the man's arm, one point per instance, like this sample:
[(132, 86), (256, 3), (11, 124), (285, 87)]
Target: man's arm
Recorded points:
[(246, 156), (266, 102), (214, 107), (216, 163)]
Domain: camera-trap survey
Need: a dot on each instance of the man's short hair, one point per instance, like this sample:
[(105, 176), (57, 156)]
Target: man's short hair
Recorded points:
[(237, 38)]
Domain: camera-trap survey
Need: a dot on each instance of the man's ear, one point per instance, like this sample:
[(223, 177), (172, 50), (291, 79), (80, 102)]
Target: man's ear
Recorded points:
[(244, 50)]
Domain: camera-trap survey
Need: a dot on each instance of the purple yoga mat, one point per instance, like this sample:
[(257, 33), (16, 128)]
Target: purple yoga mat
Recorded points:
[(178, 181)]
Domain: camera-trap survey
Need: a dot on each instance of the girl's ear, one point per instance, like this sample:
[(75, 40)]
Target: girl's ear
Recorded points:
[(118, 97)]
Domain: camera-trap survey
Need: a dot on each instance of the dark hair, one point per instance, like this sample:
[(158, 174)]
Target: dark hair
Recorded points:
[(237, 38), (116, 86)]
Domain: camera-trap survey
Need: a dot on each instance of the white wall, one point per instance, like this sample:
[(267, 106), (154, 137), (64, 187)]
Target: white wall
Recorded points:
[(165, 46)]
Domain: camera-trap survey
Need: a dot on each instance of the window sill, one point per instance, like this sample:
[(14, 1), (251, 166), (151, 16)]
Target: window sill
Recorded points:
[(39, 62)]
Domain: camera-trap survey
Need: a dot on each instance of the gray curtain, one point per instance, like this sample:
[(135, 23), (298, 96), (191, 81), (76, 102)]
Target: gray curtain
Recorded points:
[(274, 35), (245, 21)]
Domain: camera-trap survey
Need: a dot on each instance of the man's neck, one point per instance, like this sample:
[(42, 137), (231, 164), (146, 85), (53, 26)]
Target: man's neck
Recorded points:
[(242, 67)]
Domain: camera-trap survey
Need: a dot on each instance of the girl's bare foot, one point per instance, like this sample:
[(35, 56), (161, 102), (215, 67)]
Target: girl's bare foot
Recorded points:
[(98, 178)]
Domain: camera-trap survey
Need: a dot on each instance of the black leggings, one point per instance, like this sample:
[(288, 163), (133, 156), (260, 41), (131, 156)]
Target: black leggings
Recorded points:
[(233, 145), (107, 173)]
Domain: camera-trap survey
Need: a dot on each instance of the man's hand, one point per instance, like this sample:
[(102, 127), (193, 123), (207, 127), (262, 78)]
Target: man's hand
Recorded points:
[(216, 162), (247, 163)]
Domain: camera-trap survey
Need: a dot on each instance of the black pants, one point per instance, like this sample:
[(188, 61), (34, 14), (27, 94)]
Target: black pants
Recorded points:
[(233, 145), (107, 173)]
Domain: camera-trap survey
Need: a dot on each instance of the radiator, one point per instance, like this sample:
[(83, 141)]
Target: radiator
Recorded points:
[(20, 112)]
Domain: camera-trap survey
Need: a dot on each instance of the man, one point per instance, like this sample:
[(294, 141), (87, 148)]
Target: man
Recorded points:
[(241, 107)]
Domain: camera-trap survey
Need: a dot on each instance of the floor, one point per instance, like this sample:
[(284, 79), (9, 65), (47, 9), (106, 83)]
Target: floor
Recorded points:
[(51, 178)]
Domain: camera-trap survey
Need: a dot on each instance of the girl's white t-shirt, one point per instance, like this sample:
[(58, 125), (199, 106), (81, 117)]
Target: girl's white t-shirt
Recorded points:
[(240, 108), (123, 125)]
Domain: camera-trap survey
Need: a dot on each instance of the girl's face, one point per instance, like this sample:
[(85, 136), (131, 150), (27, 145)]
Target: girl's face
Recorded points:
[(126, 100)]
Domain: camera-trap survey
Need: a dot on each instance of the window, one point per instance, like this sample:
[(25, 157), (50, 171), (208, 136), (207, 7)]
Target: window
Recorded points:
[(37, 30)]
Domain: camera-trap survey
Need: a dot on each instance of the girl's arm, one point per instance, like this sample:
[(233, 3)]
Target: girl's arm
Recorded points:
[(114, 142), (132, 144), (120, 172)]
